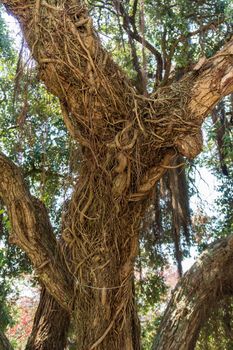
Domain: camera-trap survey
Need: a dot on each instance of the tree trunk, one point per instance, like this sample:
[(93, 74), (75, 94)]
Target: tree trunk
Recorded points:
[(51, 325), (105, 314), (4, 342), (197, 293)]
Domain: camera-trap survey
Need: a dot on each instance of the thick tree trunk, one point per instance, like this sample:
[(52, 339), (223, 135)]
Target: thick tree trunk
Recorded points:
[(51, 325), (197, 293), (105, 314), (4, 342)]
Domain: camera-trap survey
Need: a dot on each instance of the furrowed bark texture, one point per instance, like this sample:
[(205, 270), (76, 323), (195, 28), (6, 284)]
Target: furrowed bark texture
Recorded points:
[(4, 342), (128, 142), (50, 326), (197, 293), (31, 230)]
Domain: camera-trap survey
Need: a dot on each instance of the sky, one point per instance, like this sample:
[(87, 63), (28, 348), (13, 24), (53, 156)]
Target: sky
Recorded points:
[(14, 29)]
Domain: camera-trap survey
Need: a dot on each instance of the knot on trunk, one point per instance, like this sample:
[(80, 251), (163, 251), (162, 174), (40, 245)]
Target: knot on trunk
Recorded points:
[(190, 146)]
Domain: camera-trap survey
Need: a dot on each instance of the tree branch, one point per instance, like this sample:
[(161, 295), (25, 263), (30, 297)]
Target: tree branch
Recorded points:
[(128, 23), (213, 80), (31, 230), (136, 64), (173, 116), (195, 296), (73, 64), (135, 6), (169, 53)]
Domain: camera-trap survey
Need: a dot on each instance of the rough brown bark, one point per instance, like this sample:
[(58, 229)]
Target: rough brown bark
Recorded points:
[(50, 326), (197, 293), (4, 342), (128, 142)]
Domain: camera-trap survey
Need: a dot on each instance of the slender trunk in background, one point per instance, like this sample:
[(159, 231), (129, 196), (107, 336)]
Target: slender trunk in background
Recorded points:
[(4, 342), (50, 326)]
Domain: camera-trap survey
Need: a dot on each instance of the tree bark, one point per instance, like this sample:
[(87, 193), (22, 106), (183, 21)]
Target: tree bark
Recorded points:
[(4, 342), (51, 325), (197, 293), (128, 142)]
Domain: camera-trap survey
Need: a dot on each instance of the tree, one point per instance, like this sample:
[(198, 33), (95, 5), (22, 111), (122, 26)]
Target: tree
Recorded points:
[(128, 142)]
